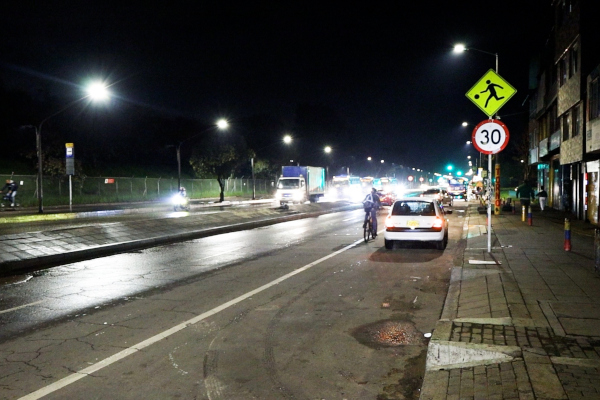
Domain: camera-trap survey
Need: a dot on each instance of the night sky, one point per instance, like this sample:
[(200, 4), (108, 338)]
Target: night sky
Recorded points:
[(382, 73)]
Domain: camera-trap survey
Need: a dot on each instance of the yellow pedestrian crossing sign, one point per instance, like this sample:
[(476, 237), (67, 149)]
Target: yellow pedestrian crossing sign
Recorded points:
[(491, 92)]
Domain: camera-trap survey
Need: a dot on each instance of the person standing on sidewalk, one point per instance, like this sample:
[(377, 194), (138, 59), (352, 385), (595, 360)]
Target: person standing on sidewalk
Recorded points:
[(542, 197), (525, 194)]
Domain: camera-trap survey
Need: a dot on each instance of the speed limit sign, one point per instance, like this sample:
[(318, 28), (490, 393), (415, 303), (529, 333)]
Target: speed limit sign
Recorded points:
[(490, 136)]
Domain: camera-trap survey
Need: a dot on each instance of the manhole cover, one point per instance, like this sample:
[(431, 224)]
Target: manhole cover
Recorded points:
[(388, 333)]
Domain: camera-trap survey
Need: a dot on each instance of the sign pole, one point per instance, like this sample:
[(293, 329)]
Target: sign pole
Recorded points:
[(70, 194), (489, 210), (490, 137), (70, 170)]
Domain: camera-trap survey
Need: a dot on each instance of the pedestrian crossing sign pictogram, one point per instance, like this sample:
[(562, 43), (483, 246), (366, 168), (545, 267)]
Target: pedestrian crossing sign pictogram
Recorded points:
[(491, 92)]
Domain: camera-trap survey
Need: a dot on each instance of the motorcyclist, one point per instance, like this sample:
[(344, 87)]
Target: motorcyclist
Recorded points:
[(11, 192), (182, 192), (371, 204)]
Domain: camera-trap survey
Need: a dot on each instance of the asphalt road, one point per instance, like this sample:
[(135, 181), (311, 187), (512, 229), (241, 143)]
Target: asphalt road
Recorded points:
[(297, 310)]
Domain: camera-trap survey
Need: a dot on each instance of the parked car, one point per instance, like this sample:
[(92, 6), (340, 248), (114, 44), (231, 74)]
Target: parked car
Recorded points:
[(416, 219), (441, 195)]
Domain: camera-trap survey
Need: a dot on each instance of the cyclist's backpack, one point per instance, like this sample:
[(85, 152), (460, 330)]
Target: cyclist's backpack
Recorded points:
[(368, 203)]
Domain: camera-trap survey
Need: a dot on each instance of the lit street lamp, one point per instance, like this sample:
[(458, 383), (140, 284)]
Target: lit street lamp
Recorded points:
[(287, 139), (221, 124), (459, 48), (96, 91)]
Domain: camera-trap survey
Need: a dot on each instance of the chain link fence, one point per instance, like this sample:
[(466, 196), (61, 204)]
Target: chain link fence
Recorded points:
[(90, 190)]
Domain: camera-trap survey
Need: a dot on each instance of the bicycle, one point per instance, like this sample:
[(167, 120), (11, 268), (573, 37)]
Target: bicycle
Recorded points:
[(368, 229)]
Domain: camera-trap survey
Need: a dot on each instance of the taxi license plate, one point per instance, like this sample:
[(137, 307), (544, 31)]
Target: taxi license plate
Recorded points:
[(412, 224)]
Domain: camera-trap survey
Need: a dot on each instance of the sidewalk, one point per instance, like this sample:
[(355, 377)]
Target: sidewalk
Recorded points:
[(84, 239), (524, 325)]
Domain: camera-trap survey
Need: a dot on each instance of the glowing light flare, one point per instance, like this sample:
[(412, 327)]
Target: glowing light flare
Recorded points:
[(459, 48), (98, 91), (287, 139), (222, 124)]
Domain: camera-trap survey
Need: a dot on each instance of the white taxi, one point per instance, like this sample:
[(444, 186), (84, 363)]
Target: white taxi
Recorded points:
[(416, 219)]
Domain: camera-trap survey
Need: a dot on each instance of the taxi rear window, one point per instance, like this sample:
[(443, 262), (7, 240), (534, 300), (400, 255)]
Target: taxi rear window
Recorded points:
[(425, 208)]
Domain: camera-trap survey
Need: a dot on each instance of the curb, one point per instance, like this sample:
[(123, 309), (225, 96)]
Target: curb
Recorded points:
[(48, 261)]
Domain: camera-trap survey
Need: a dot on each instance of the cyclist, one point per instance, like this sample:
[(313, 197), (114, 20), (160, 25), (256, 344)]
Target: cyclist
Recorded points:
[(371, 204)]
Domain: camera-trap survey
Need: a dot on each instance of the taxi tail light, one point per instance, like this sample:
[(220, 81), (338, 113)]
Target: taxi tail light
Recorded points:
[(438, 222), (388, 222)]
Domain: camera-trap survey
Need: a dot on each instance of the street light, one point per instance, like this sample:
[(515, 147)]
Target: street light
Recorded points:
[(96, 91), (287, 139), (459, 48), (221, 124)]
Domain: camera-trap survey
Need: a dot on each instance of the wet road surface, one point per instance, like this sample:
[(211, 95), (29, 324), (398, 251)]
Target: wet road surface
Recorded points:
[(302, 309)]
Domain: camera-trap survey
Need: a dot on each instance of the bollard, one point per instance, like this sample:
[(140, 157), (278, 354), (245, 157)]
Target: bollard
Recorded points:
[(523, 213), (597, 250), (529, 216), (567, 234)]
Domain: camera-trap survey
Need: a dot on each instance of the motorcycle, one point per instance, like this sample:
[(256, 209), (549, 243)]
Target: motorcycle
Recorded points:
[(180, 202)]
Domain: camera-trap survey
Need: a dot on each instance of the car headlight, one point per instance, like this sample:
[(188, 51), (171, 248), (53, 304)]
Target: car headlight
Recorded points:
[(277, 196), (298, 196)]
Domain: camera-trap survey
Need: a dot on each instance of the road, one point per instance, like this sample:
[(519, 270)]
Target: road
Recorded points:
[(297, 310)]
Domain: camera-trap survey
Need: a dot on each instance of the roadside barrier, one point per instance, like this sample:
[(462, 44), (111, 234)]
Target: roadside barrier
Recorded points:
[(567, 234)]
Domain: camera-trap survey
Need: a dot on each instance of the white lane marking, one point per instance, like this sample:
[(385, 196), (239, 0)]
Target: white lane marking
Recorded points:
[(23, 306), (53, 387)]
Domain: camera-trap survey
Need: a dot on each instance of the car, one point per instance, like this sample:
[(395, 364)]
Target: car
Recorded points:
[(440, 194), (386, 198), (416, 219)]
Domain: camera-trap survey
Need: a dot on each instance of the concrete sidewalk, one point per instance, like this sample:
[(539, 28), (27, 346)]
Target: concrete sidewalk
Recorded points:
[(523, 325), (83, 239)]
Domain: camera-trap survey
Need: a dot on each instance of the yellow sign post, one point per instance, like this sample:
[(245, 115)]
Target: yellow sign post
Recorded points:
[(491, 92)]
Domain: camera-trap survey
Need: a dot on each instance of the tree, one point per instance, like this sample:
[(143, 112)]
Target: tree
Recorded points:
[(218, 158)]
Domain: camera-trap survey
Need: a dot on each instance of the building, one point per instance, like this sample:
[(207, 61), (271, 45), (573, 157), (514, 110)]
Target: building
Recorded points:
[(560, 133)]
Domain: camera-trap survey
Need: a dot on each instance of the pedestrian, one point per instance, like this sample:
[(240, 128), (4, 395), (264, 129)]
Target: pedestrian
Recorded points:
[(542, 197), (525, 194), (11, 192)]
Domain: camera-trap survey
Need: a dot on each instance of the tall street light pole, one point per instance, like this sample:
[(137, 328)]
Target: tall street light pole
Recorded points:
[(287, 139), (459, 48), (95, 92), (221, 124)]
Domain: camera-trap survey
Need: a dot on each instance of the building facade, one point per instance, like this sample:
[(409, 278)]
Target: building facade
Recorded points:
[(564, 145)]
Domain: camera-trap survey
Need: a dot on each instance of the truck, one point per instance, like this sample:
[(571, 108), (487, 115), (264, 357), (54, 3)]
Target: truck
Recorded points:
[(457, 189), (298, 184)]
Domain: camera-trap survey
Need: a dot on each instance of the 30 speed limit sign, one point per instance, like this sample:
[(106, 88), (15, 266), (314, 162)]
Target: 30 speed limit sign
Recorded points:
[(490, 136)]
